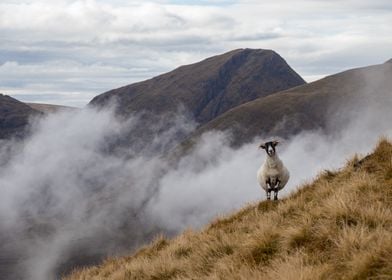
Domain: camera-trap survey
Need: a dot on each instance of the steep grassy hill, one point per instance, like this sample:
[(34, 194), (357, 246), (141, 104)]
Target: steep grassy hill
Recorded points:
[(208, 88), (306, 107), (337, 227), (14, 117)]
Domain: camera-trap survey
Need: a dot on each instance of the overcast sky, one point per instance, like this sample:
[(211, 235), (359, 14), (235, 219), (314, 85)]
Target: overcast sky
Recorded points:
[(68, 51)]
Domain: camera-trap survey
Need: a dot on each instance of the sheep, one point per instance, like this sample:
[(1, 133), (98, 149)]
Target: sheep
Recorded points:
[(272, 175)]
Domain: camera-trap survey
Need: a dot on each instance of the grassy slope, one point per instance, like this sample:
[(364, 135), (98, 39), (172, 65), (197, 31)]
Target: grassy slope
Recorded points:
[(337, 227)]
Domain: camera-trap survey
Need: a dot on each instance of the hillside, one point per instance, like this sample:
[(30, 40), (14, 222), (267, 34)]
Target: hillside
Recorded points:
[(337, 227), (14, 117), (208, 88), (49, 108), (317, 105)]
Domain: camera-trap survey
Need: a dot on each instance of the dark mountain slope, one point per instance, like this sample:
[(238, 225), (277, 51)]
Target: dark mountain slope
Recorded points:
[(326, 104), (14, 117), (207, 88)]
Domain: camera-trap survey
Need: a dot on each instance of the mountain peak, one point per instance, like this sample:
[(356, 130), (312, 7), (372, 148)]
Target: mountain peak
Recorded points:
[(207, 88), (204, 90)]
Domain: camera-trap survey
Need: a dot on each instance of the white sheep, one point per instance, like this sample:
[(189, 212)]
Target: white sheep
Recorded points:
[(272, 175)]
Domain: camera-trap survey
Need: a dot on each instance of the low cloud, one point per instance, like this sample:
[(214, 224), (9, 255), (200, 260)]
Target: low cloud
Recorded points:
[(70, 199)]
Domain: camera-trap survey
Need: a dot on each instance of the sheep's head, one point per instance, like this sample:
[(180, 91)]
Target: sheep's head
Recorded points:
[(269, 147)]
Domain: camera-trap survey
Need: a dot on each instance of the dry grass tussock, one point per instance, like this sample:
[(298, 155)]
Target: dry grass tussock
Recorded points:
[(338, 227)]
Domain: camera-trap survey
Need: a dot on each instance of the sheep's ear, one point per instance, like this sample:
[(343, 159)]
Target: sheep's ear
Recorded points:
[(275, 143), (262, 146)]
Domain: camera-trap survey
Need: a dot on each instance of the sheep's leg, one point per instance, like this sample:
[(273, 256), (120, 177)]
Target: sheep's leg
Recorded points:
[(269, 189), (276, 190), (268, 194)]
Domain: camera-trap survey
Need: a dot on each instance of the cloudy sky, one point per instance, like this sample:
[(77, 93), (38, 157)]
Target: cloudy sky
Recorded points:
[(67, 51)]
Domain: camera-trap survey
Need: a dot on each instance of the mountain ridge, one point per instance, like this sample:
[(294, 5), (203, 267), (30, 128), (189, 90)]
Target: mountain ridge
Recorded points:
[(305, 107)]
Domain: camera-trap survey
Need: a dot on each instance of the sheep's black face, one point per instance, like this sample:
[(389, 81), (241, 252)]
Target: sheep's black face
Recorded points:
[(269, 147)]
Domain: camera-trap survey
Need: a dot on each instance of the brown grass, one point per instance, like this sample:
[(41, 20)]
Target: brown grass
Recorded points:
[(338, 227)]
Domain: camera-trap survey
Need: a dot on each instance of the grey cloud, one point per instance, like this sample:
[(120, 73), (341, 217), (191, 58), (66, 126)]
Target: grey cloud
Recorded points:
[(203, 2), (315, 37), (256, 36), (24, 56), (167, 42)]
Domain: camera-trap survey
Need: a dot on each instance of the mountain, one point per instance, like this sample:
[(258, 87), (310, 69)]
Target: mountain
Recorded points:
[(389, 61), (50, 108), (323, 104), (14, 117), (323, 231), (208, 88)]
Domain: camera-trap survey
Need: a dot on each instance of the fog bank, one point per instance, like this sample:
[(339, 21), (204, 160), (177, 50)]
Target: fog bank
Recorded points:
[(68, 199)]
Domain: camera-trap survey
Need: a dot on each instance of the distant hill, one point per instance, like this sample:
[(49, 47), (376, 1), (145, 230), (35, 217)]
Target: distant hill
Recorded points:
[(305, 107), (323, 231), (50, 108), (14, 117), (208, 88), (389, 61)]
